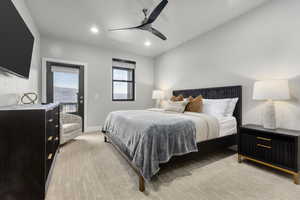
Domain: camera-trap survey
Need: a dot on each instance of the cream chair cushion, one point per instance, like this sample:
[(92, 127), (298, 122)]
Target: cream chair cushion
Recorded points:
[(70, 127)]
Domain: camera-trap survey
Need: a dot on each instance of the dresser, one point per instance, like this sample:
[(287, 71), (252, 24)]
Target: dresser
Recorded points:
[(278, 148), (29, 142)]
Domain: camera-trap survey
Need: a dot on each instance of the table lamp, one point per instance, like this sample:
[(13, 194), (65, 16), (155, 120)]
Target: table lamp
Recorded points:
[(158, 95), (271, 90)]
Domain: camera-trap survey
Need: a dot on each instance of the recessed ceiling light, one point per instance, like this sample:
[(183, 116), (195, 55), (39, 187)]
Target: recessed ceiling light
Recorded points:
[(94, 30), (147, 43)]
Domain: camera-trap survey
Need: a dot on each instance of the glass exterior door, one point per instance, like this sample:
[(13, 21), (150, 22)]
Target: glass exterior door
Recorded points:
[(66, 89), (65, 86)]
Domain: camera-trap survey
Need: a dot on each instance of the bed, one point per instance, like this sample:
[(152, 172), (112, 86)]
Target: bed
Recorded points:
[(148, 138)]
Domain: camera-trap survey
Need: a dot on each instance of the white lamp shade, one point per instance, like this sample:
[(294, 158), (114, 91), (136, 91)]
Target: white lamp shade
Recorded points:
[(157, 94), (271, 89)]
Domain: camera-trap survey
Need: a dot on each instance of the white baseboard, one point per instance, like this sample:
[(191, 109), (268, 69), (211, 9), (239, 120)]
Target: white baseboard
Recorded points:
[(93, 128)]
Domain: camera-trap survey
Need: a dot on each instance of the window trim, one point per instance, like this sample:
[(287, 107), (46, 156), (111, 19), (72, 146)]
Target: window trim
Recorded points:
[(124, 61), (124, 81)]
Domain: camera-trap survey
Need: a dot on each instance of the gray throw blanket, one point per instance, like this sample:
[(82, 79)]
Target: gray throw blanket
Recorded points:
[(150, 138)]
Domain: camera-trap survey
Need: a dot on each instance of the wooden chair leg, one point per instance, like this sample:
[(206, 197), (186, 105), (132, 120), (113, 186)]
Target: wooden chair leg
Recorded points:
[(141, 183)]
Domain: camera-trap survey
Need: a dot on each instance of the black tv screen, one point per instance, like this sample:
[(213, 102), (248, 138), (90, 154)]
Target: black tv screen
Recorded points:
[(16, 41)]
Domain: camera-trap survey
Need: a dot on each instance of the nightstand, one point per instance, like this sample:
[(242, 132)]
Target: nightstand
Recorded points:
[(278, 148)]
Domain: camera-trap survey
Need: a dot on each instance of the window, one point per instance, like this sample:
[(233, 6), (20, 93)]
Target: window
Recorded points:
[(123, 84)]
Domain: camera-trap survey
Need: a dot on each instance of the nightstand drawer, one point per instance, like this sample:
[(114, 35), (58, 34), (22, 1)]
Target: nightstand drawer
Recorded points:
[(277, 150), (284, 153), (255, 147), (264, 141)]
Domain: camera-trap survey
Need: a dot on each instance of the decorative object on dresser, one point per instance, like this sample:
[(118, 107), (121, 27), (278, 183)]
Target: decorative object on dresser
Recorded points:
[(29, 98), (271, 90), (278, 148), (158, 95), (29, 140), (70, 127)]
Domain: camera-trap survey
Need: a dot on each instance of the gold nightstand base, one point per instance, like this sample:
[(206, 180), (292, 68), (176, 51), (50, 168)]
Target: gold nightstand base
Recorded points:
[(296, 175)]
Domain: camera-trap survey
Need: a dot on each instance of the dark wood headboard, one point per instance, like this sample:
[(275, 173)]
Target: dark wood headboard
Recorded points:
[(218, 93)]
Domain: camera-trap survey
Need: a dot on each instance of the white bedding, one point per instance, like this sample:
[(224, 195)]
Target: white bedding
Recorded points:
[(201, 122), (226, 125)]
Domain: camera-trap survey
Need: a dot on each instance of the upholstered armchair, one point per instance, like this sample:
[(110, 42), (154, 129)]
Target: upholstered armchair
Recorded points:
[(70, 127)]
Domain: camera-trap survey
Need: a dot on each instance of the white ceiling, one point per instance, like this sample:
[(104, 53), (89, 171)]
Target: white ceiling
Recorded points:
[(181, 21)]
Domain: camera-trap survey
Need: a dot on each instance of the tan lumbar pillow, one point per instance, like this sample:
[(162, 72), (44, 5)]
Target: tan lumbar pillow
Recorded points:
[(195, 104), (178, 98)]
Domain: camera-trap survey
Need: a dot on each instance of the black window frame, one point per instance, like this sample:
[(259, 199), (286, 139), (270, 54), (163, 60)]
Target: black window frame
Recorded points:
[(132, 81)]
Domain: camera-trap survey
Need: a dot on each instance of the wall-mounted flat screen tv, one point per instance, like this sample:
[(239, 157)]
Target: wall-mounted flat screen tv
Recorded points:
[(16, 41)]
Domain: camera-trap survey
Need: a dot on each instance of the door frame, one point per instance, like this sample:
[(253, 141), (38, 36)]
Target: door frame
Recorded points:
[(44, 82)]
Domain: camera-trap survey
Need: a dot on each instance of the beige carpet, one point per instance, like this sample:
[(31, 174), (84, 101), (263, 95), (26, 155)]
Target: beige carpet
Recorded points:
[(89, 169)]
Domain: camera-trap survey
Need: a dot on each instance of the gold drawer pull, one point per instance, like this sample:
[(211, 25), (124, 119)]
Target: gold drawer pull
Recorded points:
[(50, 120), (264, 146), (50, 156), (262, 138), (50, 138)]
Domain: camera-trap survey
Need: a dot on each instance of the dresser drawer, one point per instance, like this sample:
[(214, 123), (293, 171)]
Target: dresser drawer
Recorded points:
[(50, 123), (56, 142), (50, 144), (56, 111), (52, 137), (278, 150), (55, 114), (49, 160)]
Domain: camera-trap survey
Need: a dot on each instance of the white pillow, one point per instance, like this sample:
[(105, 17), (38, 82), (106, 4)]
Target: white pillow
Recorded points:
[(231, 107), (215, 107), (176, 106), (220, 107)]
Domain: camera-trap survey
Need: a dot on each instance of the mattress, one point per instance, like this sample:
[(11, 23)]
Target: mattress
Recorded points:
[(228, 126)]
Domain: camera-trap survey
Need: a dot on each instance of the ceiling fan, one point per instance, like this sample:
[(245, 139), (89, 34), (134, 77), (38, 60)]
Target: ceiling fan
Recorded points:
[(148, 20)]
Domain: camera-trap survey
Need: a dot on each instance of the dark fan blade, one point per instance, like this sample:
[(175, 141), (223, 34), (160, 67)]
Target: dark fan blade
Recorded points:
[(158, 34), (124, 29), (156, 12)]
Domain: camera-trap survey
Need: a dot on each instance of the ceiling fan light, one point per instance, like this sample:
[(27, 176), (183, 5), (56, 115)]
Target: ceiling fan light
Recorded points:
[(147, 43), (94, 30)]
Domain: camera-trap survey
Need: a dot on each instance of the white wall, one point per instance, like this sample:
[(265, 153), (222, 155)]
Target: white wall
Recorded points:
[(12, 86), (99, 101), (263, 44)]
